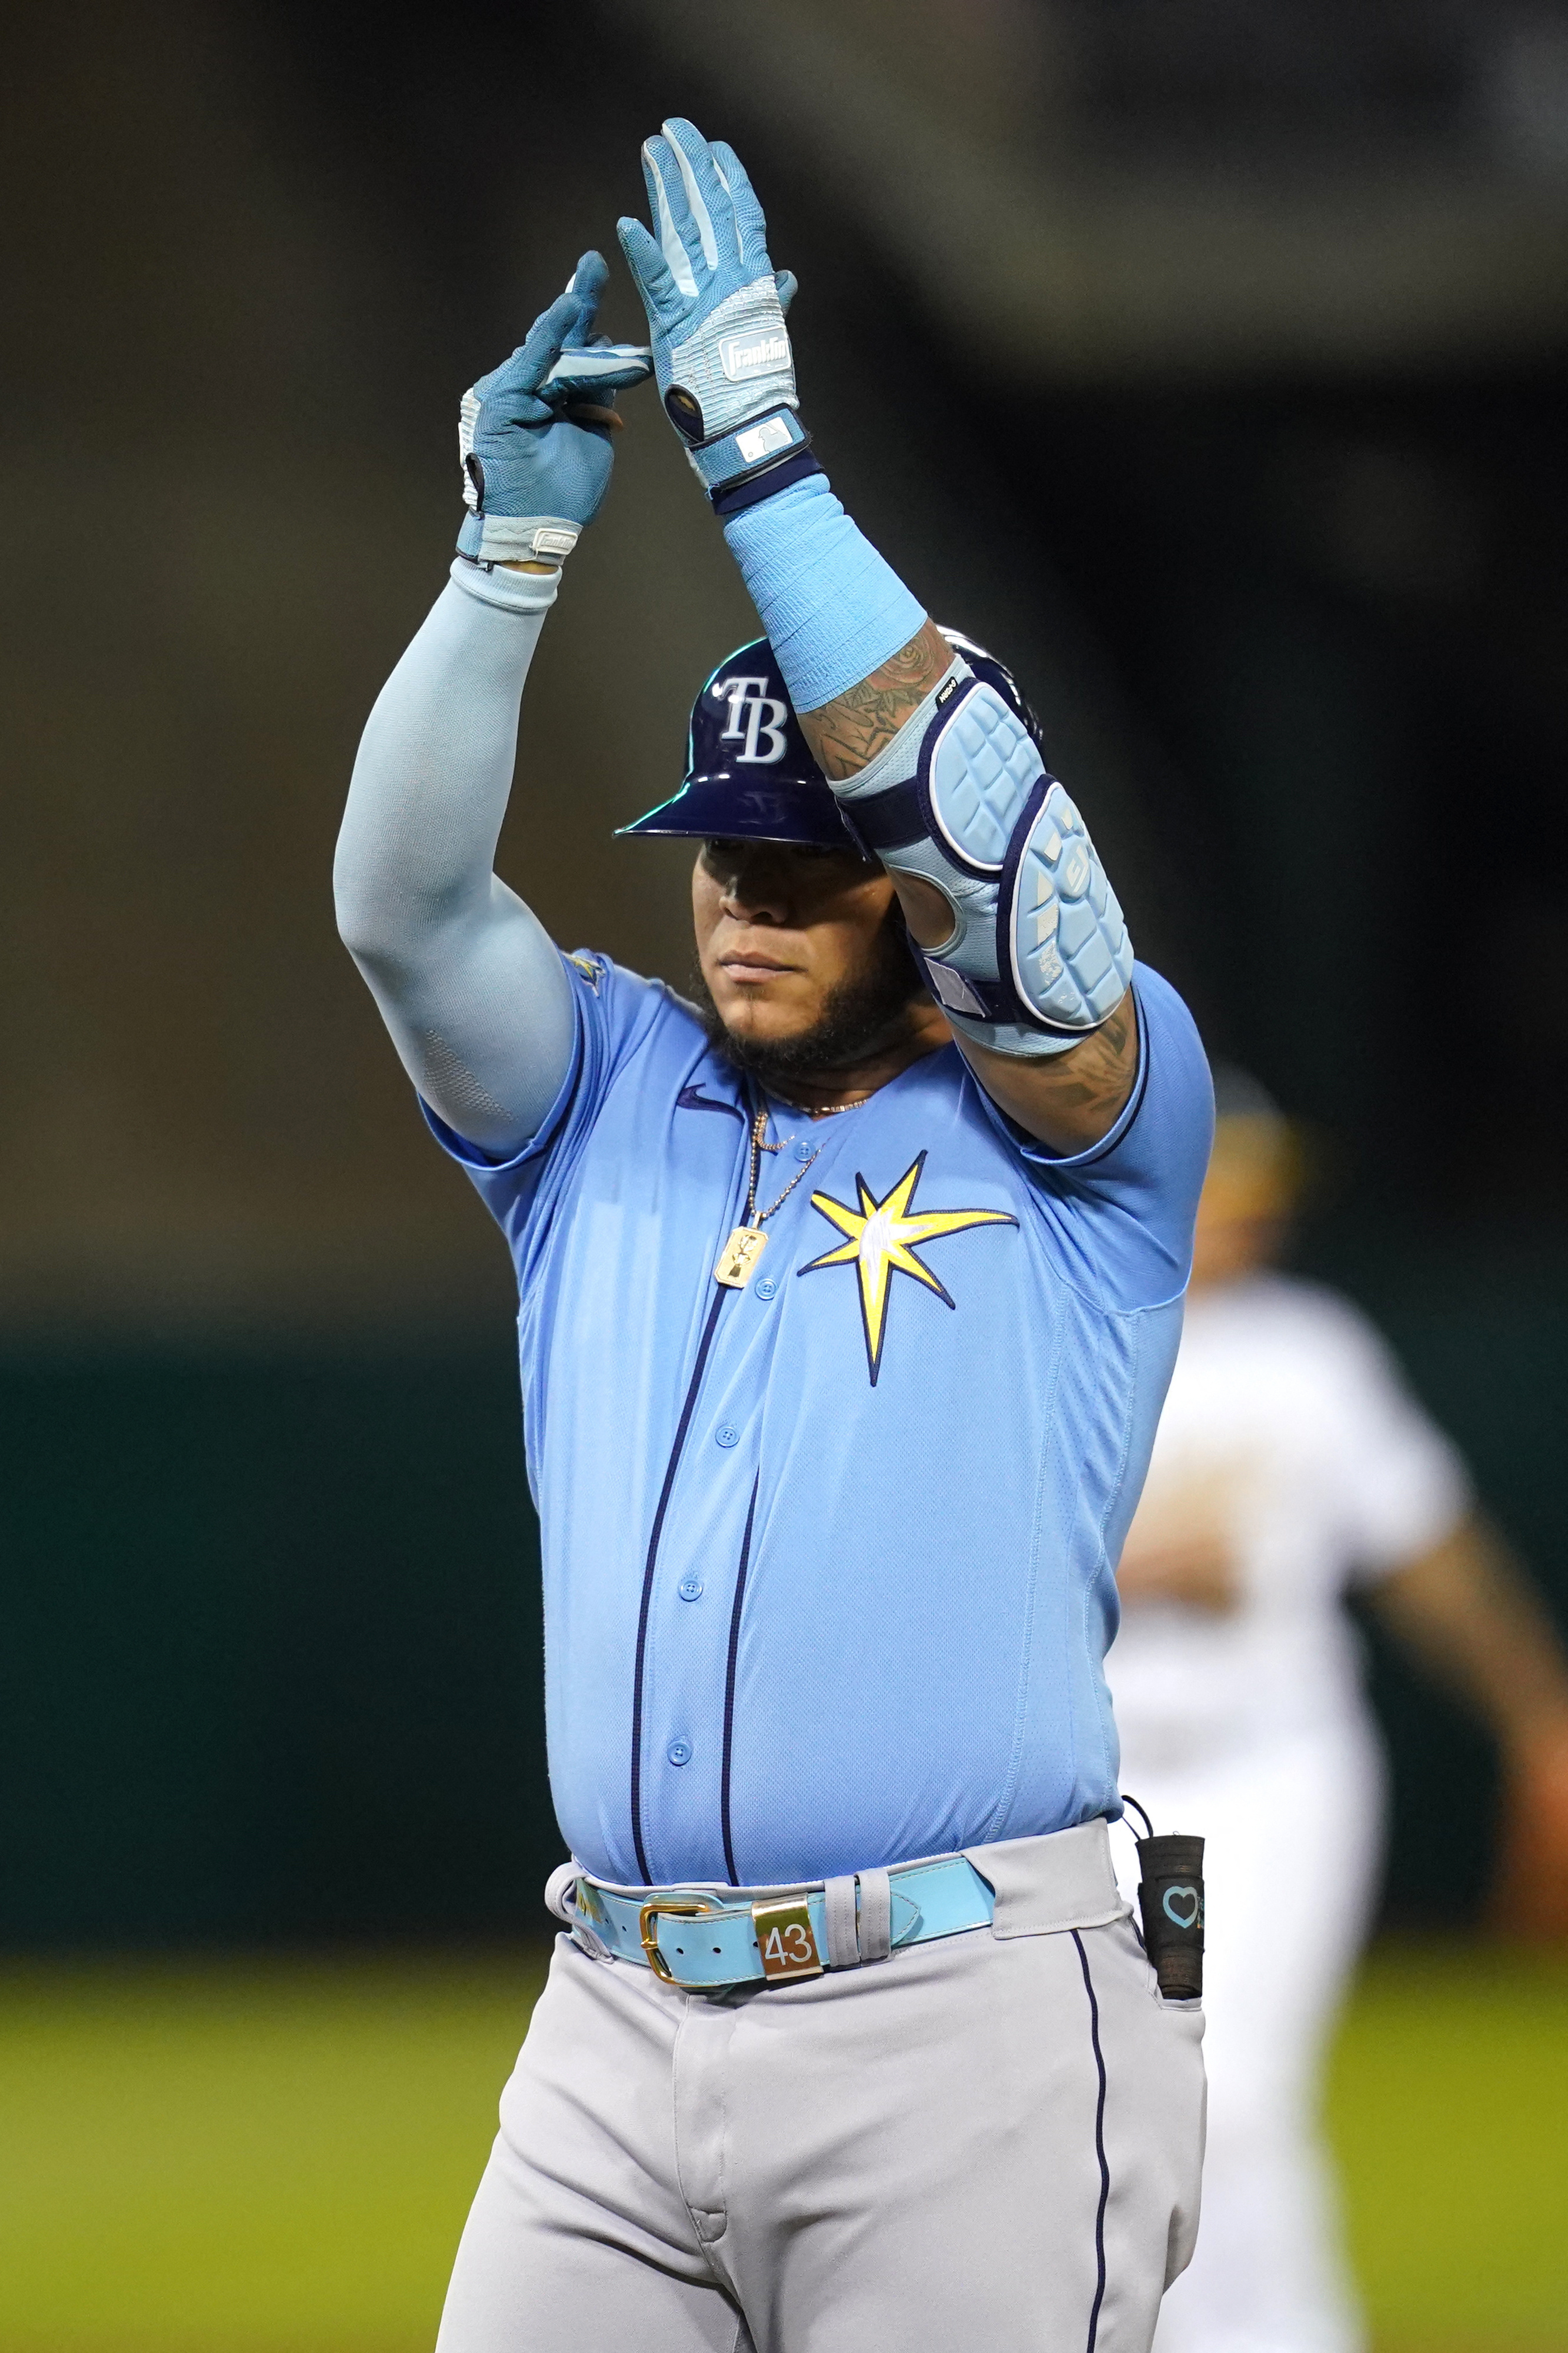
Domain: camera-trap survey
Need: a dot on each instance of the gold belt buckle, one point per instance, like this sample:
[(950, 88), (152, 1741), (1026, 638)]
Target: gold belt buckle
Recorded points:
[(682, 1908), (786, 1941)]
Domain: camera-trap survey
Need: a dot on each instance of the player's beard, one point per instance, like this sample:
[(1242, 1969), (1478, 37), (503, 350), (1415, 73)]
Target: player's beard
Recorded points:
[(860, 1017)]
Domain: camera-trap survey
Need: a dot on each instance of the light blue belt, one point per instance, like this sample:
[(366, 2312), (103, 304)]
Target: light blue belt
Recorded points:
[(703, 1938)]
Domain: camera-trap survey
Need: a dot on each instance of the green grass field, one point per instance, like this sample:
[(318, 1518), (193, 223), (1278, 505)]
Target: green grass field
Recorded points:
[(275, 2158)]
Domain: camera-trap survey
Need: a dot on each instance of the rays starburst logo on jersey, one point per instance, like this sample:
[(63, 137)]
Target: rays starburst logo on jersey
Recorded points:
[(883, 1237)]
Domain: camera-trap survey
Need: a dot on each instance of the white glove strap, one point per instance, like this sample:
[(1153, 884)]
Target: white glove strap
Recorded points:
[(526, 539)]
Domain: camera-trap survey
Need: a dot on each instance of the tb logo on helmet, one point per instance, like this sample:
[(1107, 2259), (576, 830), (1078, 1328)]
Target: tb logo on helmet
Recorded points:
[(754, 715)]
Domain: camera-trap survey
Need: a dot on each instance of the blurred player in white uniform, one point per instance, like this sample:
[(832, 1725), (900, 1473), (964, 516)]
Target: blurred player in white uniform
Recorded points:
[(1292, 1465)]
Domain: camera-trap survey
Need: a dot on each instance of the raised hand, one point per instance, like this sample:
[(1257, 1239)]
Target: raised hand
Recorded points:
[(715, 307), (534, 436)]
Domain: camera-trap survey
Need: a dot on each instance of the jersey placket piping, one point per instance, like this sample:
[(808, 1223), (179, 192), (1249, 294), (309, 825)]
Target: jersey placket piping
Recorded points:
[(690, 1099), (735, 1609)]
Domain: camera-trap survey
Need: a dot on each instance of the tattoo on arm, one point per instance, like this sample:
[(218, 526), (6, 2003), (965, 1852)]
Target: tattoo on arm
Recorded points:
[(1069, 1100), (1094, 1079), (847, 733)]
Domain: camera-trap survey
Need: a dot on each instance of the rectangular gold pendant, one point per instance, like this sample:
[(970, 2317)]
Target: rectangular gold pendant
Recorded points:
[(738, 1256), (785, 1941)]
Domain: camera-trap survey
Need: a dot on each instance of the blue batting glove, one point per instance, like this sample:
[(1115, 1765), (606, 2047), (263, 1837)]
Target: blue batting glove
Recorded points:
[(715, 308), (536, 460)]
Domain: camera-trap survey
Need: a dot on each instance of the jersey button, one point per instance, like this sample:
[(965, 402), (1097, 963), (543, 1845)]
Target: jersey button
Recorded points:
[(727, 1435), (803, 1151), (679, 1753), (767, 1287), (690, 1589)]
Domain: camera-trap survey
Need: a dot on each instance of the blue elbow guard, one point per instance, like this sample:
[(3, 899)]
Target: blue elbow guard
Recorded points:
[(1038, 955)]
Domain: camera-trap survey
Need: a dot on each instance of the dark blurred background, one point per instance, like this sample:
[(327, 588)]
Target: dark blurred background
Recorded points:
[(1207, 359)]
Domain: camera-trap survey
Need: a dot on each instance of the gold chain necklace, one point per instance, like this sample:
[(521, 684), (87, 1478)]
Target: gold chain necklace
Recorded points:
[(823, 1111), (738, 1258)]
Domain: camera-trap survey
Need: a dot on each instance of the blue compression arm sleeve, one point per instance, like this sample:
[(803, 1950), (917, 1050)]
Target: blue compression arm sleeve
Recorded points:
[(468, 980), (833, 610)]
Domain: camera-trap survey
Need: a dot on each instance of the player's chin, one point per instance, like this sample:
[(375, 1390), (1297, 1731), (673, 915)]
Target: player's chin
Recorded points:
[(768, 1012)]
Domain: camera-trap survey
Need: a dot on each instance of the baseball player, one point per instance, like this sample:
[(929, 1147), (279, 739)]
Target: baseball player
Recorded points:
[(847, 1301), (1291, 1463)]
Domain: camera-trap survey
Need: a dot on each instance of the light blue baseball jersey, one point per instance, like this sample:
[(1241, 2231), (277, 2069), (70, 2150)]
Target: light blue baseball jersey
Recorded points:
[(828, 1561)]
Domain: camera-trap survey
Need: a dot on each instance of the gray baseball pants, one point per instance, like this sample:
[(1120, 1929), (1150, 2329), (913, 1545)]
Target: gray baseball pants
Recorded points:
[(993, 2140)]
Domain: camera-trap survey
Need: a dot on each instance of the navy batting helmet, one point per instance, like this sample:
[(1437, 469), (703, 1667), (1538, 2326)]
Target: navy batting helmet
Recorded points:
[(749, 775)]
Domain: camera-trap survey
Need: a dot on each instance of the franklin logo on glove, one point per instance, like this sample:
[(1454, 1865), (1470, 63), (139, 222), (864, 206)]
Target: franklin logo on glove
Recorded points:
[(742, 356)]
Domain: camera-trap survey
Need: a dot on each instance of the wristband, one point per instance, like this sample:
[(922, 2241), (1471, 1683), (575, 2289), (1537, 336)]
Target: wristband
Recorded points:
[(754, 488), (751, 447)]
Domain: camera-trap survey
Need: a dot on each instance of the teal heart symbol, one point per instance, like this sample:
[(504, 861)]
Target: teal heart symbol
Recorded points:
[(1174, 1899)]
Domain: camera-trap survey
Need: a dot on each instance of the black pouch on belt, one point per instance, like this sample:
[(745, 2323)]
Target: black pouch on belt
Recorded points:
[(1171, 1899)]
